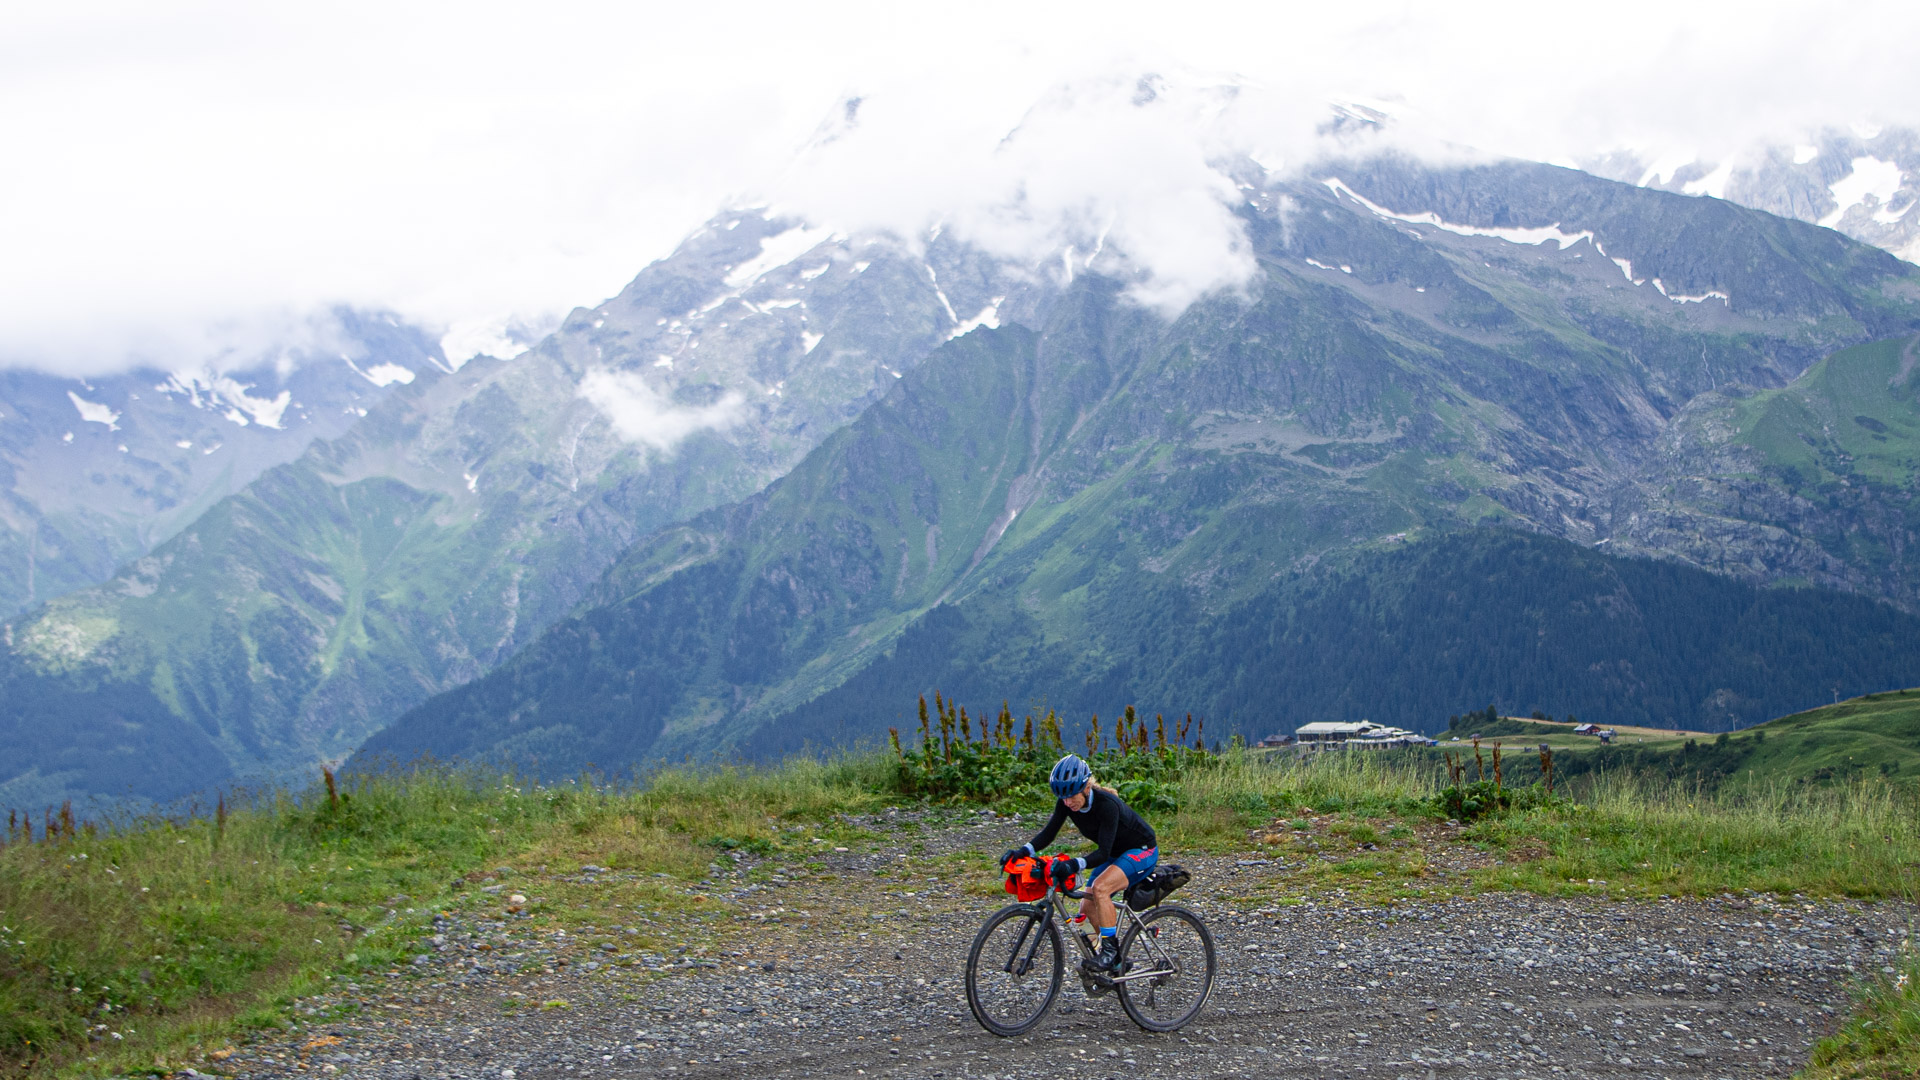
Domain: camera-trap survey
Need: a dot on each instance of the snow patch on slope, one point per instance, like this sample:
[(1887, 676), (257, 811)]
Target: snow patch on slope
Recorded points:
[(228, 397), (989, 317), (381, 374), (1713, 185), (1664, 167), (490, 337), (777, 251), (388, 374), (1869, 176), (1680, 298), (94, 412), (944, 302), (1534, 236)]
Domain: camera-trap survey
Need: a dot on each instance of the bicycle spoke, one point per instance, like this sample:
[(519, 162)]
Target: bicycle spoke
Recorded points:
[(1172, 947), (1014, 971)]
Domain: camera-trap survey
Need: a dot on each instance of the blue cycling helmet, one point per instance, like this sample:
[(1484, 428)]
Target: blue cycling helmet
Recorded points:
[(1070, 776)]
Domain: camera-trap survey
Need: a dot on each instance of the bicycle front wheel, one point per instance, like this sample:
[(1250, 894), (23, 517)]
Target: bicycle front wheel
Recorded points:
[(1014, 969), (1172, 967)]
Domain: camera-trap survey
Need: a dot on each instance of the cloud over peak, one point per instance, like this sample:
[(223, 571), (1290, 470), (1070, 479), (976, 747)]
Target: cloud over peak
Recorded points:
[(196, 179)]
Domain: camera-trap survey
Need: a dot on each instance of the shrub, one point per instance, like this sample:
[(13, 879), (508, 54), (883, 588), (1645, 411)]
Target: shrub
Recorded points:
[(1151, 795), (951, 763), (1474, 800)]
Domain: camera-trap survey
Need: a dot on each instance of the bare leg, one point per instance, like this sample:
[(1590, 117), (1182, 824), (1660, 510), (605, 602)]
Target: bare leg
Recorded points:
[(1099, 903)]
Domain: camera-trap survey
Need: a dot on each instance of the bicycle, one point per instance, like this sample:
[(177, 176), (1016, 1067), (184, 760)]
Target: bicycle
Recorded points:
[(1016, 965)]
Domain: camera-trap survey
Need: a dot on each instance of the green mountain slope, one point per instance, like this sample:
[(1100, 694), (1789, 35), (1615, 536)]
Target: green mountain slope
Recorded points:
[(1817, 481), (1403, 635), (465, 513), (1098, 504)]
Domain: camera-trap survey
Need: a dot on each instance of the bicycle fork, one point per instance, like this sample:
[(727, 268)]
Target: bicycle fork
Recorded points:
[(1025, 963)]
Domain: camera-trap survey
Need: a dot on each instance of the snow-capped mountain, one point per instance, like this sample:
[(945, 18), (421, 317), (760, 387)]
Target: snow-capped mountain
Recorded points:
[(470, 509), (95, 472), (427, 520), (1862, 180)]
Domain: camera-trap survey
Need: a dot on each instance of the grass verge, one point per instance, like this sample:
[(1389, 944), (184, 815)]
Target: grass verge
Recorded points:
[(1881, 1039), (131, 947)]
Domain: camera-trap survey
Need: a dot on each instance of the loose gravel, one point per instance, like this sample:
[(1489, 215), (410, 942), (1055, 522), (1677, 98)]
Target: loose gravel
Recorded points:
[(842, 972)]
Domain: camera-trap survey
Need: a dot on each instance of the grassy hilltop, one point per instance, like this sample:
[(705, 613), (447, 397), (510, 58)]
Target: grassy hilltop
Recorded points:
[(1876, 736)]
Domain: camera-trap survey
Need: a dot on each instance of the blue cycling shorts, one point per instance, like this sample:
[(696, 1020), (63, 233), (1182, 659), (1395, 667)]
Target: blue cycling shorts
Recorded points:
[(1137, 864)]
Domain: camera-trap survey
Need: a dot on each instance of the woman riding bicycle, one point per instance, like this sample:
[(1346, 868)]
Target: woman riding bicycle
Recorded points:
[(1126, 850)]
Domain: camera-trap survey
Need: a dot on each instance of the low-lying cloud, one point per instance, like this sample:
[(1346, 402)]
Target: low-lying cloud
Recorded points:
[(642, 415), (1115, 170), (1136, 175)]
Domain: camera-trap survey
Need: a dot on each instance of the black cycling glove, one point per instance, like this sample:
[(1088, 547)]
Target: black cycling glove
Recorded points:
[(1062, 870), (1012, 854)]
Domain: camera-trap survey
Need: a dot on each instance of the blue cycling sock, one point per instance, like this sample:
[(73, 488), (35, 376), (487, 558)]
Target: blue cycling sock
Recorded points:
[(1109, 931)]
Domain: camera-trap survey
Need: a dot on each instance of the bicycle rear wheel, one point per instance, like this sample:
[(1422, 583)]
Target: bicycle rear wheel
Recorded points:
[(1176, 947), (1014, 969)]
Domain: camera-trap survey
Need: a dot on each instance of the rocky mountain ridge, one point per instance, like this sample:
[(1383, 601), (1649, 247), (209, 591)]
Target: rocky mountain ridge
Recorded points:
[(471, 508), (1424, 348), (1426, 351), (1862, 180)]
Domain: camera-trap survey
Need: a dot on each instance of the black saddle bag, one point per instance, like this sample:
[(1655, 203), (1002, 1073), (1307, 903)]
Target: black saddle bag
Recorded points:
[(1156, 886)]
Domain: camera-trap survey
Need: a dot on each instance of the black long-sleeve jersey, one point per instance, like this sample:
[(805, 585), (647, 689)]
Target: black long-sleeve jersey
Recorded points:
[(1111, 824)]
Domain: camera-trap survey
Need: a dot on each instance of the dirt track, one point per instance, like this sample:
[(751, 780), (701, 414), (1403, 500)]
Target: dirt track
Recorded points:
[(844, 973)]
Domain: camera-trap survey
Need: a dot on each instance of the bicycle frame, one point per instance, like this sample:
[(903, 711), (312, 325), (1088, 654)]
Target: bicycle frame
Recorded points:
[(1022, 940), (1054, 904)]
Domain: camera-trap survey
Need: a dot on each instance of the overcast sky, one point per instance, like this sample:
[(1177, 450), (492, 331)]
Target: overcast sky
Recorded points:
[(181, 179)]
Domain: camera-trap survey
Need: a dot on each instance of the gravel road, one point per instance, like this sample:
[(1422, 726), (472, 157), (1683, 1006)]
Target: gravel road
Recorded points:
[(853, 968)]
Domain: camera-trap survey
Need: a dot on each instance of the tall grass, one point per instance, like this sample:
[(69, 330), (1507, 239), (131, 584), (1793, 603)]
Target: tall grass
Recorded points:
[(1235, 791), (682, 817), (1859, 839), (1650, 835)]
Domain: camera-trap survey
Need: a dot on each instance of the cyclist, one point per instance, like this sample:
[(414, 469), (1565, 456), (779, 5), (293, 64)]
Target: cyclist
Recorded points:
[(1126, 850)]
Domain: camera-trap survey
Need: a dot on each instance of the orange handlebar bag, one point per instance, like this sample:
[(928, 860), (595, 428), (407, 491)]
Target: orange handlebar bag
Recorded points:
[(1027, 877)]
